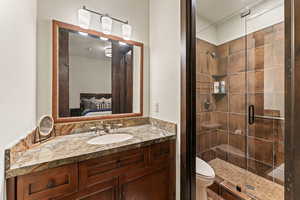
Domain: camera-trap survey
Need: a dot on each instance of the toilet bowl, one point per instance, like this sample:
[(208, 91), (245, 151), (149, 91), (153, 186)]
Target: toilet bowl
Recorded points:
[(205, 177)]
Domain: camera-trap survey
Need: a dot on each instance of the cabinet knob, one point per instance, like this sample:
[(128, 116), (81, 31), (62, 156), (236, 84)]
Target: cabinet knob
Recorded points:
[(50, 184)]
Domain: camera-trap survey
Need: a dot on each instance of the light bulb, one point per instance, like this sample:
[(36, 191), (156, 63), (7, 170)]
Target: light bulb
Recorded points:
[(126, 31), (108, 51), (122, 43), (106, 24), (84, 18), (82, 33), (103, 38)]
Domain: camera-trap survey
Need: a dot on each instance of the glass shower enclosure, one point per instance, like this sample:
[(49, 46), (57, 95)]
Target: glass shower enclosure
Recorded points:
[(240, 97)]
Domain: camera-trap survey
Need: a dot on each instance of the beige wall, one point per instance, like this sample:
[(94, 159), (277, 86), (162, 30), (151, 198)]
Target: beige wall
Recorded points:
[(165, 64), (136, 11), (88, 75), (17, 73)]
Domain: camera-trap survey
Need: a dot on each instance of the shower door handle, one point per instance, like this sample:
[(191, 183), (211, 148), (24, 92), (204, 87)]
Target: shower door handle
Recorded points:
[(251, 114)]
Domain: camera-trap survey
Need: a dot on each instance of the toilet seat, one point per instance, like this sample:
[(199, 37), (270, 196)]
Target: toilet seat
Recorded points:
[(204, 169)]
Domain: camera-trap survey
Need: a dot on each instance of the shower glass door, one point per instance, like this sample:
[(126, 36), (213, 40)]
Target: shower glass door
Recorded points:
[(265, 101)]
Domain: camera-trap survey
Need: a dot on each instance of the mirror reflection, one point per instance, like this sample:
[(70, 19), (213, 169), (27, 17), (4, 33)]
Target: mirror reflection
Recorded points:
[(96, 75)]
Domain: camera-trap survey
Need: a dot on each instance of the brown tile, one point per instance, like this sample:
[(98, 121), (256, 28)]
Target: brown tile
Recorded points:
[(259, 168), (203, 88), (278, 51), (237, 141), (237, 103), (200, 101), (260, 150), (279, 31), (260, 57), (206, 141), (202, 64), (214, 138), (203, 142), (237, 45), (278, 79), (250, 41), (203, 78), (237, 160), (221, 103), (220, 118), (221, 67), (221, 154), (258, 101), (279, 130), (279, 154), (223, 50), (264, 36), (215, 189), (208, 155), (237, 83), (203, 47), (222, 137), (269, 80), (255, 80), (203, 117), (262, 128), (237, 123), (237, 62), (204, 84), (278, 104)]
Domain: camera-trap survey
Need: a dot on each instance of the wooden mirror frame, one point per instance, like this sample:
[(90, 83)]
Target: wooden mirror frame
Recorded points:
[(55, 69)]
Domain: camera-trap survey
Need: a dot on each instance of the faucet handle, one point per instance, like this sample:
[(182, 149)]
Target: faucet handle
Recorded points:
[(93, 128), (115, 126)]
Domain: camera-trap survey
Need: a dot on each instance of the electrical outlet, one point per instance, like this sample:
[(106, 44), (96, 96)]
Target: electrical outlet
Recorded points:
[(156, 107)]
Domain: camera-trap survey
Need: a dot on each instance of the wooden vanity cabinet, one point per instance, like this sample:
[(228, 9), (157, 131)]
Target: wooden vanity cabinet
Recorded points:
[(146, 173)]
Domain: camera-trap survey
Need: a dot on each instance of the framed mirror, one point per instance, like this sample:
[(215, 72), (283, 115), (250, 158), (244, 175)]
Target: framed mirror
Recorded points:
[(95, 76)]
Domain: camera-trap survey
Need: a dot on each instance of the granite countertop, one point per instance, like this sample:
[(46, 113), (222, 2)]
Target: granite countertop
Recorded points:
[(74, 148)]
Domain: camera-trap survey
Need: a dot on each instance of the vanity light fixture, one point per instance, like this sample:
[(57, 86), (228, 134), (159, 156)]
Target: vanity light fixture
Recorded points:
[(126, 31), (82, 33), (123, 43), (108, 51), (84, 18), (103, 38), (107, 22)]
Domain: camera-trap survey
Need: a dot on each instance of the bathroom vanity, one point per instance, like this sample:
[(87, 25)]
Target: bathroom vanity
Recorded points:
[(67, 167), (97, 85)]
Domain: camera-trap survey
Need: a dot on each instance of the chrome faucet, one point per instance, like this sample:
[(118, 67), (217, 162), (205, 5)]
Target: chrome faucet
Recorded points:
[(115, 126), (105, 127)]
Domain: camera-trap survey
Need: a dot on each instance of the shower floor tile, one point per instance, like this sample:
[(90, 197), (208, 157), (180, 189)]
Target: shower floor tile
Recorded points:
[(260, 188)]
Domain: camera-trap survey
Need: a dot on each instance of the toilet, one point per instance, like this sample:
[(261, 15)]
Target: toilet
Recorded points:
[(205, 176)]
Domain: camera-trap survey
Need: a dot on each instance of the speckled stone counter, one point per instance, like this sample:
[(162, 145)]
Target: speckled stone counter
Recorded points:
[(74, 148), (263, 189)]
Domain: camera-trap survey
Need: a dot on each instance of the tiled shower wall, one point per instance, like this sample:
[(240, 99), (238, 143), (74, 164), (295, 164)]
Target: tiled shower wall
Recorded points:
[(253, 68)]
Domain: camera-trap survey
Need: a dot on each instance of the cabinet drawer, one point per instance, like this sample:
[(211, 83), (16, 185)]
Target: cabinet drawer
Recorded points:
[(106, 190), (160, 153), (98, 170), (48, 184)]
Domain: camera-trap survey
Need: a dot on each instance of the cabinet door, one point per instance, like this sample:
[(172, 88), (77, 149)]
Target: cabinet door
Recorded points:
[(107, 190), (154, 186), (106, 194)]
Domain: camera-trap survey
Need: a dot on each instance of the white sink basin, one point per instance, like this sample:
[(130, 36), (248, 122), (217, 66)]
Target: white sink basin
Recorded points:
[(110, 138)]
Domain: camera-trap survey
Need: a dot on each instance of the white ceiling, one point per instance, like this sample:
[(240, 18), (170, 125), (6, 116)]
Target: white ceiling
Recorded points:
[(216, 10), (87, 46)]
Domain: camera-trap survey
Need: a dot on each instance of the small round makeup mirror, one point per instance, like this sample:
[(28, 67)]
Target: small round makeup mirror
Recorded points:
[(45, 125)]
